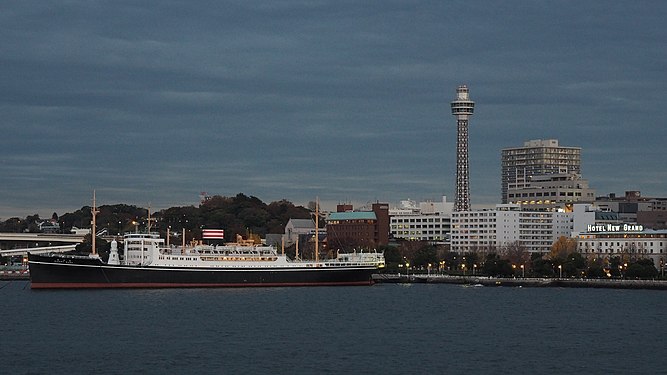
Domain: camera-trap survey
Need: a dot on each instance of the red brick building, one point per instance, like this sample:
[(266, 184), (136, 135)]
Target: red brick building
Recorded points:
[(348, 229)]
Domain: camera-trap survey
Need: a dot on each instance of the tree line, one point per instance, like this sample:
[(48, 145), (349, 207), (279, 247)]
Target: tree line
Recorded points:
[(514, 260), (240, 214)]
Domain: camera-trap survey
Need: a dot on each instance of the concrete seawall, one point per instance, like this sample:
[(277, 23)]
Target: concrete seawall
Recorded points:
[(14, 275), (522, 282)]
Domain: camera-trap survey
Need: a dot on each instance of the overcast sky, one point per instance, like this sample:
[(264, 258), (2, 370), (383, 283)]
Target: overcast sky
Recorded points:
[(154, 102)]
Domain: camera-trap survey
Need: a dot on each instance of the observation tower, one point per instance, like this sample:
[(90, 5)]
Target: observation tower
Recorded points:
[(462, 108)]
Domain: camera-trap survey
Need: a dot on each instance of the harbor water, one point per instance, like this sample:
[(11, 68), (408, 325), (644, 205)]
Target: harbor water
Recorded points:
[(383, 329)]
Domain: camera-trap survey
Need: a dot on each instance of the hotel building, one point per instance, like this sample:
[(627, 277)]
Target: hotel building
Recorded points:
[(628, 241)]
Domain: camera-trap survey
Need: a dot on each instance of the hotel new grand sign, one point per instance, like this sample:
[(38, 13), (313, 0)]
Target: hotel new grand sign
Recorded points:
[(615, 228)]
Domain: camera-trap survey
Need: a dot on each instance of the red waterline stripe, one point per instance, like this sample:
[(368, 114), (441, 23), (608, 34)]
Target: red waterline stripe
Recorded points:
[(183, 285)]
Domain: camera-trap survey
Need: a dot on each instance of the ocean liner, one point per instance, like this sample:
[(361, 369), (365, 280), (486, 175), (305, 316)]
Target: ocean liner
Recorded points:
[(150, 263)]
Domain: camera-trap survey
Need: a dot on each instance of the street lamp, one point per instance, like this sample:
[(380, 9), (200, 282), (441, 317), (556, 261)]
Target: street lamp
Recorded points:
[(560, 271), (523, 271)]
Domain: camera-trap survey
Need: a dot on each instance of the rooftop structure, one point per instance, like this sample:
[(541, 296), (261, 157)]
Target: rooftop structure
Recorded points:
[(551, 191), (633, 207)]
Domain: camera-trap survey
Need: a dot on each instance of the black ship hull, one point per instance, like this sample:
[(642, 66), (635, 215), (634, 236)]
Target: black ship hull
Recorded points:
[(53, 272)]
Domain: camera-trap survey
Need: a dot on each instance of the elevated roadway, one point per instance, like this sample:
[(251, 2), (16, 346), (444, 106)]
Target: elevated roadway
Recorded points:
[(42, 237), (37, 250)]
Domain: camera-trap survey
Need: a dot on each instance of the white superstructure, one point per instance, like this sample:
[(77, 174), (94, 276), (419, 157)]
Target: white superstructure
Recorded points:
[(149, 250)]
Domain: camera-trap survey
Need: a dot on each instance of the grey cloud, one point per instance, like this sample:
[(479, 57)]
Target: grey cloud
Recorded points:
[(344, 100)]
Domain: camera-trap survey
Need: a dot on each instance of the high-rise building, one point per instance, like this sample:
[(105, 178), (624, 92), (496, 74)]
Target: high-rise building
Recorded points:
[(462, 108), (536, 158)]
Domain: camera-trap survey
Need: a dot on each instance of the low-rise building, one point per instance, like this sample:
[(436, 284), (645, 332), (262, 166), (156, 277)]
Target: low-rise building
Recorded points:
[(627, 241), (633, 207), (49, 226), (362, 229), (296, 227)]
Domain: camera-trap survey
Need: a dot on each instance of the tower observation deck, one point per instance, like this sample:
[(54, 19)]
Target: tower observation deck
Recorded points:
[(462, 108)]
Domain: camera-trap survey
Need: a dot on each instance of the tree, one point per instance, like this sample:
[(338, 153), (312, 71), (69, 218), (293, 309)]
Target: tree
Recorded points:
[(451, 260), (562, 248), (574, 264), (103, 247), (392, 258), (424, 256), (494, 265), (13, 225), (642, 268), (595, 268), (542, 266), (615, 266), (516, 253), (408, 249)]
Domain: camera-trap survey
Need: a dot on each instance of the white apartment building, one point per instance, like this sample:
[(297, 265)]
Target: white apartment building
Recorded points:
[(493, 229), (426, 221)]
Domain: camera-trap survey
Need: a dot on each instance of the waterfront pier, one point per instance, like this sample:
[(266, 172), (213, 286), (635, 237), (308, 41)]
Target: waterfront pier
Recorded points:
[(534, 282)]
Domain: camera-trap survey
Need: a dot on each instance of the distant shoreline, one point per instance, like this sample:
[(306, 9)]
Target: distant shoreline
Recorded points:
[(521, 282)]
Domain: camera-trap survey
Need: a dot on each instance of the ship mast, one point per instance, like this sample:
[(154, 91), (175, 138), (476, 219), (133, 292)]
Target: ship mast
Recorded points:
[(148, 229), (317, 235), (93, 230)]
